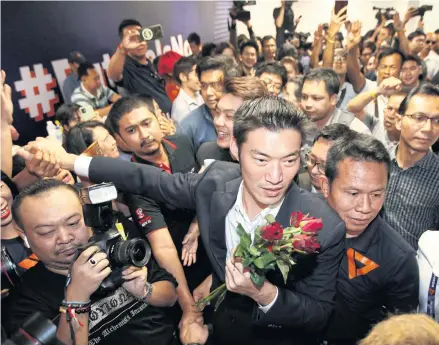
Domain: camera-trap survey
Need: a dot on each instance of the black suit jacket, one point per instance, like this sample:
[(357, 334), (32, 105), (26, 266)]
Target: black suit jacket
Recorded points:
[(306, 302)]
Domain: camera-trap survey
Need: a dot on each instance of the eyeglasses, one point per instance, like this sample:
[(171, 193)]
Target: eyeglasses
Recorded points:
[(420, 120), (432, 42), (311, 162)]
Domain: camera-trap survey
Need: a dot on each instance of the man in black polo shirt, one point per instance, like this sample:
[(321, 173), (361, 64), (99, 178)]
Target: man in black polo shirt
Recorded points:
[(132, 70), (378, 273), (135, 124)]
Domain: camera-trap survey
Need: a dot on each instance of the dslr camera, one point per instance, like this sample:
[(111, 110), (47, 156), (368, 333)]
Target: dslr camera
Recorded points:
[(10, 276), (420, 11), (387, 12), (98, 214), (238, 7)]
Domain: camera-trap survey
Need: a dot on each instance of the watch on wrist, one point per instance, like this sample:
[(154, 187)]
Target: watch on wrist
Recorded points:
[(147, 294)]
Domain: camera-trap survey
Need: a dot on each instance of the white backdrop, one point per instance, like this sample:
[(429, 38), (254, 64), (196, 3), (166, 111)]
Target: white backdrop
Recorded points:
[(318, 11)]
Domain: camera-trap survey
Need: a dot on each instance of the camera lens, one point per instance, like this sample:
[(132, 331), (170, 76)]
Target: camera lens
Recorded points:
[(10, 276), (134, 252)]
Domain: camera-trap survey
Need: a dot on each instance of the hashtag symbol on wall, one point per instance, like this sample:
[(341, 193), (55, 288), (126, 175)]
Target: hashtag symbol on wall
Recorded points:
[(36, 89)]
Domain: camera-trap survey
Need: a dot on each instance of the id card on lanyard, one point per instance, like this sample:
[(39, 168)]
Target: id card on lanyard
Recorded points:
[(431, 295)]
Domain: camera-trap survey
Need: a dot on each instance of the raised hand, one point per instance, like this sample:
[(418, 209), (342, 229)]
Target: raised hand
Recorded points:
[(132, 41), (7, 107), (337, 20), (411, 13), (389, 86), (397, 23), (354, 35)]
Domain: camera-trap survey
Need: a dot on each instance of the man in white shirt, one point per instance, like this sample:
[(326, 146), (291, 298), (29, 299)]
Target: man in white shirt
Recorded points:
[(267, 139), (431, 58), (319, 100), (189, 97)]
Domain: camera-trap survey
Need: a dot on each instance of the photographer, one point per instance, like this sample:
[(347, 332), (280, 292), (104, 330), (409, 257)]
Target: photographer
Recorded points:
[(132, 70), (284, 20), (128, 315)]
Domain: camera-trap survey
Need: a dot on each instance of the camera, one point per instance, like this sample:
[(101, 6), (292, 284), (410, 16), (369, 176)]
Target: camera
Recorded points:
[(10, 275), (238, 7), (150, 33), (387, 12), (87, 112), (98, 214), (36, 330), (420, 11)]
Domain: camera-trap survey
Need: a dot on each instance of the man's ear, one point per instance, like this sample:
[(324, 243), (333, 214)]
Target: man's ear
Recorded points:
[(183, 77), (324, 185), (234, 151), (333, 100)]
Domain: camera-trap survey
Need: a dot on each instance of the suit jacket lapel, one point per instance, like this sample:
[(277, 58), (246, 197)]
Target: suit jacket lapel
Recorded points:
[(221, 203), (291, 203)]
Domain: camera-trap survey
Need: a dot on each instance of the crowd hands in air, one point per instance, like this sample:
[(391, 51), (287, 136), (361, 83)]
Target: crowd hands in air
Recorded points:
[(344, 130)]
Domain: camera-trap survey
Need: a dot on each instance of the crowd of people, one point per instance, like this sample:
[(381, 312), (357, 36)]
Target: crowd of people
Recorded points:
[(345, 129)]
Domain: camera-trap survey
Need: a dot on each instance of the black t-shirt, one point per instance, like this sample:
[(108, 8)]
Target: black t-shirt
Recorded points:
[(211, 150), (378, 275), (288, 23), (143, 79), (116, 319), (151, 215)]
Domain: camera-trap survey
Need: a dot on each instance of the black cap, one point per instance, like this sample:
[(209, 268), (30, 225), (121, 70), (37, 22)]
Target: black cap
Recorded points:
[(77, 57)]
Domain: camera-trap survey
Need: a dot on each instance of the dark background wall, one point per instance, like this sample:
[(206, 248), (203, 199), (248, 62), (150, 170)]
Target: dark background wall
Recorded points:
[(41, 32)]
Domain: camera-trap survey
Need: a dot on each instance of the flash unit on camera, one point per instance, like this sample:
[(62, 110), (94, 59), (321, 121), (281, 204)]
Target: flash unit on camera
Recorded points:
[(98, 194)]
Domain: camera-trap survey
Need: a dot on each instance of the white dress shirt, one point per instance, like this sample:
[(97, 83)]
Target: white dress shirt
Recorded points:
[(432, 63), (237, 215), (184, 104)]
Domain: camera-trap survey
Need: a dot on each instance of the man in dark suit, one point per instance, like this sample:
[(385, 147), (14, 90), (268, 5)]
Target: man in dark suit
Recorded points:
[(268, 134)]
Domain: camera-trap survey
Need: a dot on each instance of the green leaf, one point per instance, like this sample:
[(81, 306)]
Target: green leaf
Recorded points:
[(284, 268), (238, 251), (247, 261), (257, 279), (270, 218), (254, 251), (258, 237), (240, 230), (259, 262)]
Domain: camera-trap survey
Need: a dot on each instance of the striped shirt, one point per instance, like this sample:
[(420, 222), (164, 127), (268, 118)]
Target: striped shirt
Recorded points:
[(82, 97), (412, 201)]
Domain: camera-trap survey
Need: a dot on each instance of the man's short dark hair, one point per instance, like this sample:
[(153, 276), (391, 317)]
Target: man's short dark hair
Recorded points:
[(184, 65), (388, 52), (267, 38), (437, 32), (83, 69), (298, 81), (269, 112), (425, 89), (127, 22), (126, 105), (335, 131), (35, 189), (328, 76), (415, 34), (208, 49), (415, 58), (358, 147), (66, 113), (273, 68), (371, 45), (194, 38), (81, 136), (213, 63), (223, 46), (250, 43)]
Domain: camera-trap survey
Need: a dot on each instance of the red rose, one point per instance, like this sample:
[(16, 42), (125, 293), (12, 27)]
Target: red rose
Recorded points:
[(312, 226), (270, 248), (306, 243), (272, 232), (296, 218)]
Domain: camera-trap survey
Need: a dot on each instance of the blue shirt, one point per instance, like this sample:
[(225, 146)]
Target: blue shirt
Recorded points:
[(70, 84), (198, 126)]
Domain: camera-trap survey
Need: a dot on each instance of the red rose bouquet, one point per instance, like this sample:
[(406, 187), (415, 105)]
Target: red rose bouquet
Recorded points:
[(272, 247)]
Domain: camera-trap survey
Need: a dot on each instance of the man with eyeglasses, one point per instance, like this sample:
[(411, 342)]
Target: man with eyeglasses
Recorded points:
[(316, 158), (198, 124), (412, 201), (274, 75), (429, 55)]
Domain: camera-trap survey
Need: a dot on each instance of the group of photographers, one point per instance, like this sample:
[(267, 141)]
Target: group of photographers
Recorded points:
[(111, 267)]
